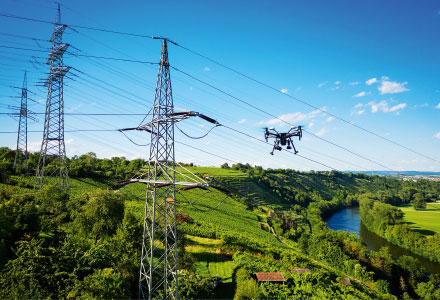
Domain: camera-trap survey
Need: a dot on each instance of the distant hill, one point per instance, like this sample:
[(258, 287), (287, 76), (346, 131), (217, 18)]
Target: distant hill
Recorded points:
[(390, 173)]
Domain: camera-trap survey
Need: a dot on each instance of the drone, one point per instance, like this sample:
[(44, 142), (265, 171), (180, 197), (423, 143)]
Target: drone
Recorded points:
[(283, 138)]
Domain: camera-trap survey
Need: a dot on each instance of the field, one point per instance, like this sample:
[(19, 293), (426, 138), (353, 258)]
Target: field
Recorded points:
[(210, 262), (425, 221)]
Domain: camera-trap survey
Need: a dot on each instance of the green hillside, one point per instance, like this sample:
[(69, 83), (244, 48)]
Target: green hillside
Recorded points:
[(87, 245)]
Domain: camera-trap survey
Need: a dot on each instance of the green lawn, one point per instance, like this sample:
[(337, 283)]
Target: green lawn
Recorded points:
[(425, 221), (210, 262)]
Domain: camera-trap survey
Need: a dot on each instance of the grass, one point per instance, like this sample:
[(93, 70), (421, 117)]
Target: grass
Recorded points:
[(210, 262), (425, 221)]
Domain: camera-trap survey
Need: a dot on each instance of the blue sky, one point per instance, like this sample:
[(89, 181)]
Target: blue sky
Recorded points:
[(372, 63)]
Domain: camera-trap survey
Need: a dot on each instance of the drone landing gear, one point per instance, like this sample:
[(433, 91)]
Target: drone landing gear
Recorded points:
[(290, 145), (276, 146)]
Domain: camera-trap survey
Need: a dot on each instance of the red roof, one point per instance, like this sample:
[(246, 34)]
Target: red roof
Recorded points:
[(270, 276)]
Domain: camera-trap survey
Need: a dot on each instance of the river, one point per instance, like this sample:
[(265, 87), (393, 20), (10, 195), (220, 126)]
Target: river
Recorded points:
[(348, 220)]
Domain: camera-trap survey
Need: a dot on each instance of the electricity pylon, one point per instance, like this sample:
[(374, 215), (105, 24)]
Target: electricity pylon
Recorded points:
[(21, 154), (158, 276), (53, 150), (158, 272)]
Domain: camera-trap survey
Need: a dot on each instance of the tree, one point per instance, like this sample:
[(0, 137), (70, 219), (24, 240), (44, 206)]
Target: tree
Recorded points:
[(225, 166), (102, 284), (195, 287), (52, 202), (32, 275), (419, 201), (101, 215)]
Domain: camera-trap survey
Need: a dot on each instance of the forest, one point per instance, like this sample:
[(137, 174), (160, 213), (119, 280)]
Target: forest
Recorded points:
[(87, 244)]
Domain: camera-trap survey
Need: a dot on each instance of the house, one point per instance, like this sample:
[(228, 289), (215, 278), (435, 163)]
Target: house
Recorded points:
[(274, 277)]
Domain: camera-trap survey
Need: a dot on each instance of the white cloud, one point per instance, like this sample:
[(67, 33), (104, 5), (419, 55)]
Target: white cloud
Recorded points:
[(34, 146), (398, 106), (292, 118), (392, 87), (335, 88), (337, 82), (438, 106), (437, 135), (206, 69), (242, 121), (322, 84), (310, 125), (360, 94), (375, 107), (284, 91), (354, 83), (322, 132), (371, 81), (383, 106), (361, 112), (329, 119), (358, 105)]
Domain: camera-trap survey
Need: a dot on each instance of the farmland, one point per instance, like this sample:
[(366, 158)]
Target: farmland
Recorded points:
[(426, 221), (87, 244)]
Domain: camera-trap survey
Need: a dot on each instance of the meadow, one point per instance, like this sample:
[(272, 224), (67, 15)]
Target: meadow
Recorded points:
[(426, 221)]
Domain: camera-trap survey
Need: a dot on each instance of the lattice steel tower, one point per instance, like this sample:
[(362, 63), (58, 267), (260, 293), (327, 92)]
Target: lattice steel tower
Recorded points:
[(158, 273), (52, 162), (21, 154)]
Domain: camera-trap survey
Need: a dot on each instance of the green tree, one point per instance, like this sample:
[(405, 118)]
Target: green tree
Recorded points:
[(419, 201), (101, 215), (102, 284)]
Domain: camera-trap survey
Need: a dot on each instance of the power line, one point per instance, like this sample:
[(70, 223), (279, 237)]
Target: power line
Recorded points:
[(79, 26), (260, 140), (84, 55), (267, 113), (305, 102), (210, 153), (348, 150), (76, 130), (87, 114)]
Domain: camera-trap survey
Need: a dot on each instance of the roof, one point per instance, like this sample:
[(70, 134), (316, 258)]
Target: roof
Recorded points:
[(270, 276), (345, 281), (299, 270)]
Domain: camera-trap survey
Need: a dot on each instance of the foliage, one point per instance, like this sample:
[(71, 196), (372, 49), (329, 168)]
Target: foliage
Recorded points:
[(195, 287), (419, 201), (387, 221), (102, 284), (100, 214), (87, 245)]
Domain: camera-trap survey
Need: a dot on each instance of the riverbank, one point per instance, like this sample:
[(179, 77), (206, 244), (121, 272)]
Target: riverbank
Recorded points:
[(348, 219), (388, 222)]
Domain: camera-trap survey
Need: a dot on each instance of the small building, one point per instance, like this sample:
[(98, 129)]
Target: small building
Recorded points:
[(274, 277), (300, 271), (345, 281)]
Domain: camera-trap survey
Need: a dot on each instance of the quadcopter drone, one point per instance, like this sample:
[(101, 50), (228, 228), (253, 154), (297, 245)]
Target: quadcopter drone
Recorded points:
[(283, 139)]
